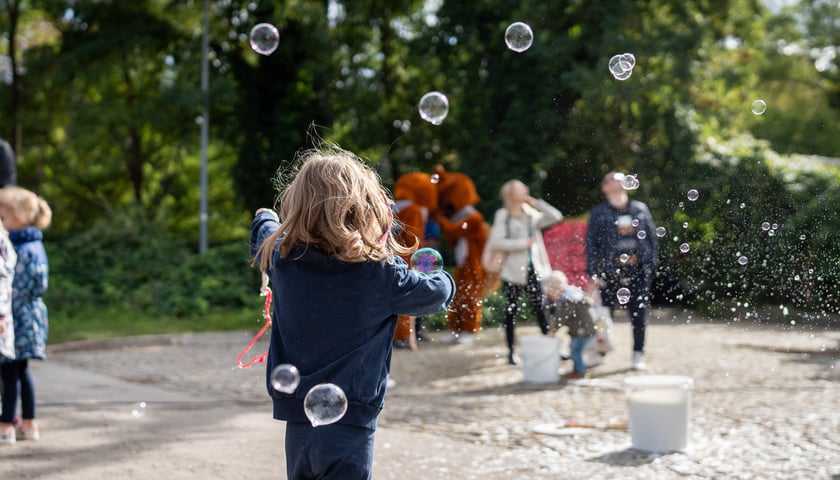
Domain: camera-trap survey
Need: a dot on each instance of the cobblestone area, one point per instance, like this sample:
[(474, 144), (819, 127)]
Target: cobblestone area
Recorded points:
[(764, 406)]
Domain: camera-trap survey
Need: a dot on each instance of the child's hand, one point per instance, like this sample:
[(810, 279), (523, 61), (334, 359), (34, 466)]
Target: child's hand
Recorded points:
[(264, 286), (2, 324)]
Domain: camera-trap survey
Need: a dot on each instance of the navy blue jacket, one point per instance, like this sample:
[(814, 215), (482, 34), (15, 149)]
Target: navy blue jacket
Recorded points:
[(602, 238), (335, 322)]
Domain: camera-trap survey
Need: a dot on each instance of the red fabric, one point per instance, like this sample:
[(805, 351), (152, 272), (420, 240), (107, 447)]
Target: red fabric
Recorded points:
[(566, 246)]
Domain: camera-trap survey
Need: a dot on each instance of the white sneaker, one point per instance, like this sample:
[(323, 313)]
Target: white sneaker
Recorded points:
[(465, 338), (639, 361), (7, 436)]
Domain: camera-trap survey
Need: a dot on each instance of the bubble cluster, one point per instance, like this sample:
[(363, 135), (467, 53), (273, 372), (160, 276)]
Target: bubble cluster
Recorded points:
[(630, 182), (433, 107), (621, 65), (758, 107), (285, 378), (264, 38), (519, 37), (623, 295), (138, 410), (324, 404), (427, 261)]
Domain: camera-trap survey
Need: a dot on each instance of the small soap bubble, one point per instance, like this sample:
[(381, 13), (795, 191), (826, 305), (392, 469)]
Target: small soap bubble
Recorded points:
[(285, 378), (693, 195), (684, 248), (621, 65), (264, 38), (623, 295), (433, 107), (802, 237), (623, 258), (519, 37), (759, 107), (742, 260), (324, 404), (641, 234), (635, 222), (661, 232), (427, 261), (138, 410), (765, 226), (435, 178)]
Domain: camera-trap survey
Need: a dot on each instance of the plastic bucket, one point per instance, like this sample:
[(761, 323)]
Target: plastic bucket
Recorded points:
[(540, 359), (658, 407)]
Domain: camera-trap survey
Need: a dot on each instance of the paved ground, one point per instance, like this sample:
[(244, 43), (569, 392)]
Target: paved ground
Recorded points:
[(764, 406)]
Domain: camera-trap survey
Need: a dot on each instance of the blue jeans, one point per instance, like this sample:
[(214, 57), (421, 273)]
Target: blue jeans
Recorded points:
[(577, 346), (334, 451)]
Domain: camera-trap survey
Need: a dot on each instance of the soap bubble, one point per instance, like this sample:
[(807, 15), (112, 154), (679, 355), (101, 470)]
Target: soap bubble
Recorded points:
[(661, 232), (264, 38), (742, 260), (765, 226), (285, 378), (759, 107), (684, 248), (693, 195), (630, 182), (519, 37), (427, 261), (623, 295), (623, 258), (641, 234), (433, 107), (138, 410), (324, 404), (621, 65)]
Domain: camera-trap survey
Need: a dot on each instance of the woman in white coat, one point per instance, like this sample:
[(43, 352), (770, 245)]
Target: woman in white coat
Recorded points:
[(517, 231)]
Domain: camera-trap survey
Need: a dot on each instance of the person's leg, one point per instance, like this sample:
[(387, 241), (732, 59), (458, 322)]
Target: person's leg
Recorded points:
[(9, 373), (326, 452), (577, 346), (535, 295), (512, 295), (27, 397)]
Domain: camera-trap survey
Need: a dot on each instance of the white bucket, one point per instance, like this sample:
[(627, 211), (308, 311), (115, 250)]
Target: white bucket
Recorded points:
[(658, 407), (540, 358)]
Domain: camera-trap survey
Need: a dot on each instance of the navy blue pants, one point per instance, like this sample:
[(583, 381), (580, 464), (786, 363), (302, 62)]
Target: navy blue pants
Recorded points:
[(332, 451), (638, 280), (17, 381)]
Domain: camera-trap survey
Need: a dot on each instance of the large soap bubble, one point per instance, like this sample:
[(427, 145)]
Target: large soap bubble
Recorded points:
[(433, 107), (324, 404), (264, 38)]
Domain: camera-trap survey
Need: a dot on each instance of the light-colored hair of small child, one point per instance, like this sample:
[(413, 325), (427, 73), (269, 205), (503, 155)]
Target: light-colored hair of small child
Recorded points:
[(29, 206), (555, 283), (335, 203)]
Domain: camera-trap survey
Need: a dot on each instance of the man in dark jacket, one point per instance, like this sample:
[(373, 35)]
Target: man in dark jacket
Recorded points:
[(622, 254), (8, 167)]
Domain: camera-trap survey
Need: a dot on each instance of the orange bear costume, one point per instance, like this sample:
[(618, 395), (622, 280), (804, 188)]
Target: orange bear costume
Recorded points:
[(414, 197), (463, 227)]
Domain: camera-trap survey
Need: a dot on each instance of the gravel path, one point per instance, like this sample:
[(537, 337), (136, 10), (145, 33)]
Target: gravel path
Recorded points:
[(764, 406)]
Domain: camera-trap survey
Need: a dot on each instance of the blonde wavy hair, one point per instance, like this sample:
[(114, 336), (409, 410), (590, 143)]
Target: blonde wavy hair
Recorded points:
[(26, 205), (335, 203)]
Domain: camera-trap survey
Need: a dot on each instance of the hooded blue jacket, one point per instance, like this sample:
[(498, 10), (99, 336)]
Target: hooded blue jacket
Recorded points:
[(335, 322)]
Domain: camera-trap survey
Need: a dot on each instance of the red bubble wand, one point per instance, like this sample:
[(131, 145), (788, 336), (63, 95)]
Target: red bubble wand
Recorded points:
[(264, 291)]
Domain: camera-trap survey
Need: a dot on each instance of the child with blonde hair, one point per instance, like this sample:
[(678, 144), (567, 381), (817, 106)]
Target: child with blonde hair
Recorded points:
[(568, 306), (24, 215), (338, 284)]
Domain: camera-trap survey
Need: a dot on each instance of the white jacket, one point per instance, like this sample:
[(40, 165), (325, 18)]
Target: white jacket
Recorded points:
[(510, 234)]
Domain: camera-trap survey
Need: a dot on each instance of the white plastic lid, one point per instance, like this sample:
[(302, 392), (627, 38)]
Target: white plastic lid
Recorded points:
[(658, 381)]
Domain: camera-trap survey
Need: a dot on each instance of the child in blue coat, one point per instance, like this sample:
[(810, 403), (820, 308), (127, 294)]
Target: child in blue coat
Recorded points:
[(24, 215), (338, 284)]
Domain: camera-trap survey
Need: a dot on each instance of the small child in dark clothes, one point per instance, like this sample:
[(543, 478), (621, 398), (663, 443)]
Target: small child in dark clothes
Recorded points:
[(338, 284), (568, 305)]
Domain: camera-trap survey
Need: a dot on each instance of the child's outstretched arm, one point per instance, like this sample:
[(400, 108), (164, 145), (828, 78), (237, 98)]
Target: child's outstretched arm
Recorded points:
[(415, 295)]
